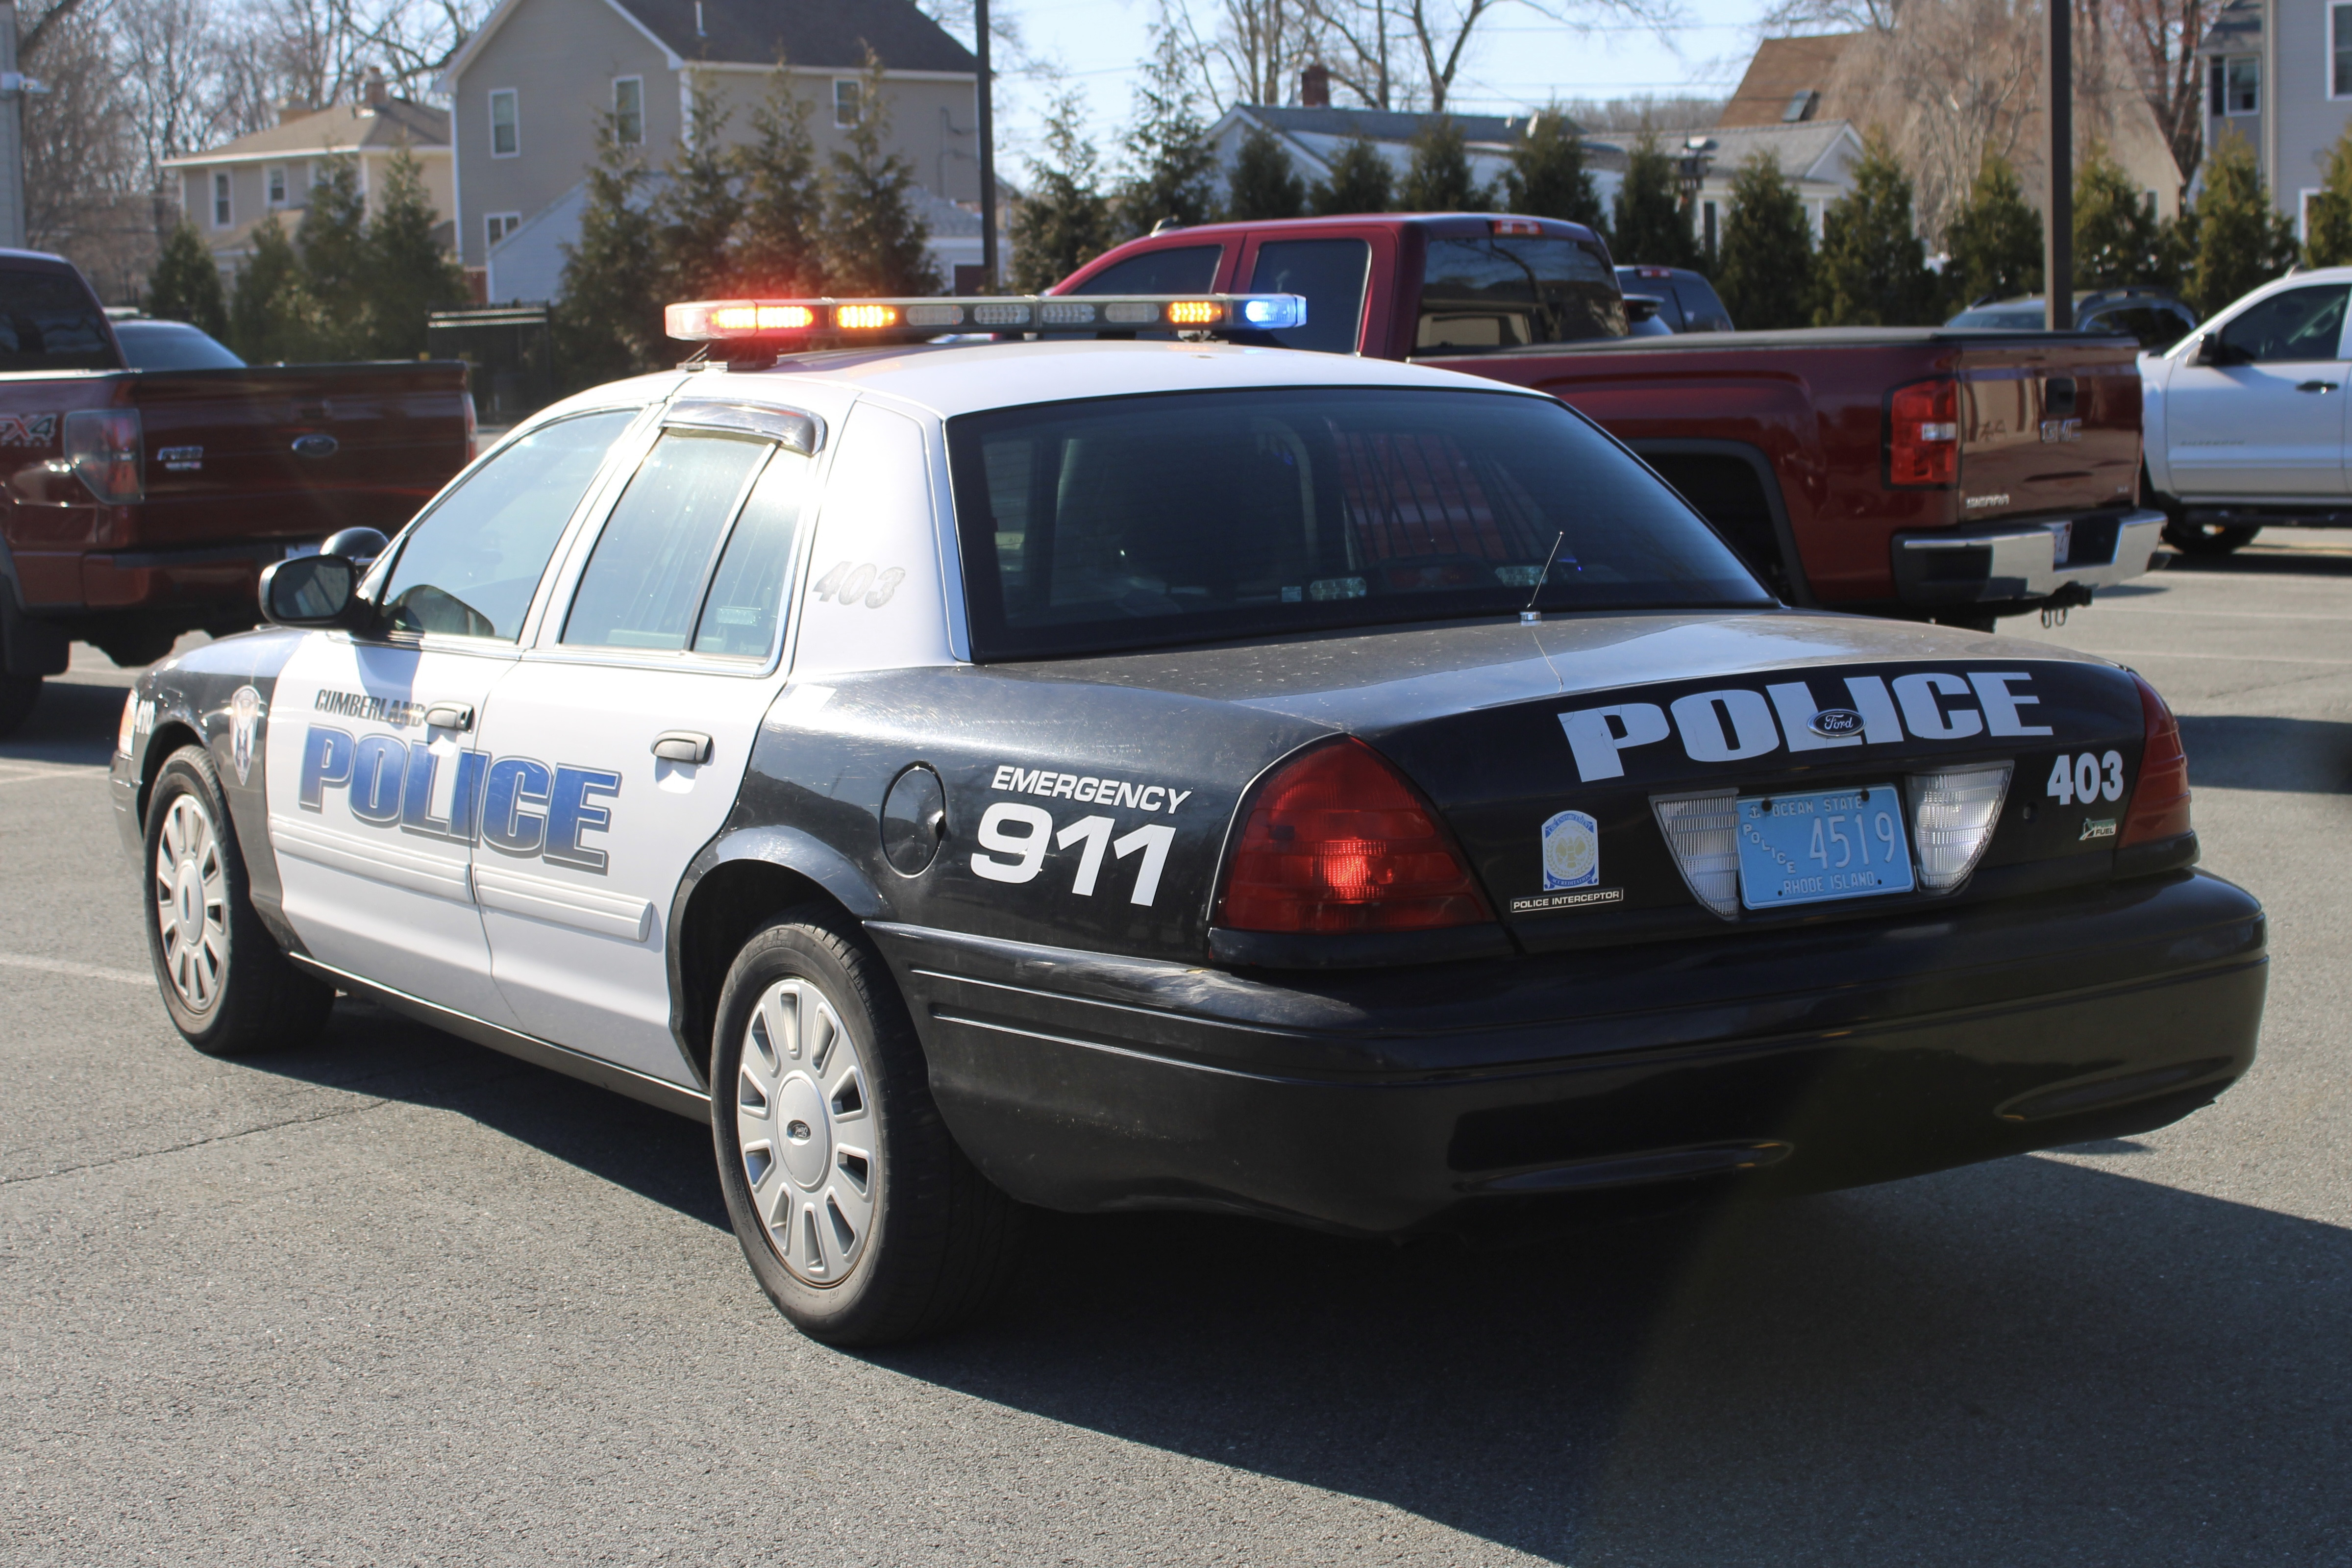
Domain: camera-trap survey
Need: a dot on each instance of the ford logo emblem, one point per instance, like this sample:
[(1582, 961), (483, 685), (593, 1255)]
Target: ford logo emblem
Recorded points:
[(317, 444), (1831, 724)]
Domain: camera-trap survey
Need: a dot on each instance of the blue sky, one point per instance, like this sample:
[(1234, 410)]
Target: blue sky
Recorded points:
[(1519, 60)]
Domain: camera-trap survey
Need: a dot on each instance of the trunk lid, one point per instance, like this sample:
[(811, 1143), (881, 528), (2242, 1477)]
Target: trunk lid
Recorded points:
[(2047, 427)]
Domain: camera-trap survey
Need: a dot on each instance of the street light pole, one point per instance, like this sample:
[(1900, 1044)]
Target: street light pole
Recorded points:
[(987, 149), (2058, 240)]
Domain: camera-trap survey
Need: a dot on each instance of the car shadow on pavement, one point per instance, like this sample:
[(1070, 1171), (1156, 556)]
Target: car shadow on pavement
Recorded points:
[(2245, 750), (74, 723), (2254, 561)]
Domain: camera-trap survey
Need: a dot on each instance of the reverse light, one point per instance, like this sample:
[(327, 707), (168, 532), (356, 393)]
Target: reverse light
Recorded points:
[(1337, 841), (1953, 813), (1923, 437), (2160, 801), (1702, 831), (102, 445), (865, 316)]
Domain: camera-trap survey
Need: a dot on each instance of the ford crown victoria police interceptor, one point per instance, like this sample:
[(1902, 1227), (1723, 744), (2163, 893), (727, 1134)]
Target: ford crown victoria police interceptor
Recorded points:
[(1172, 773)]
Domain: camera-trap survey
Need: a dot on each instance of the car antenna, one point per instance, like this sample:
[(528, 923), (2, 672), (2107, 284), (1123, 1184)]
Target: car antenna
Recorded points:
[(1531, 616)]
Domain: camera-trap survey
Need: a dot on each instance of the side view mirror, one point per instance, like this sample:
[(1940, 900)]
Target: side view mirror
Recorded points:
[(311, 591), (2210, 350), (360, 546)]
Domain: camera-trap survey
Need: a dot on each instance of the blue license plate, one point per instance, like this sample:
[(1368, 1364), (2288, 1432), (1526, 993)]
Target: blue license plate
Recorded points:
[(1809, 849)]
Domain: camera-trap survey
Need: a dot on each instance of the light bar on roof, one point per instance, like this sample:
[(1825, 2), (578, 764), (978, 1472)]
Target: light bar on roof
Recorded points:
[(781, 321)]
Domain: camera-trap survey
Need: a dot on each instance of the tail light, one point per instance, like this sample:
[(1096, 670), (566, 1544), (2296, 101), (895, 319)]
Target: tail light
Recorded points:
[(1923, 437), (2160, 801), (102, 445), (1953, 813), (1703, 832), (1336, 841)]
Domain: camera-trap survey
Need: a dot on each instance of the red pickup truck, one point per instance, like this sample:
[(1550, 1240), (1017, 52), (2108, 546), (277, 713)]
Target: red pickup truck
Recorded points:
[(141, 504), (1919, 472)]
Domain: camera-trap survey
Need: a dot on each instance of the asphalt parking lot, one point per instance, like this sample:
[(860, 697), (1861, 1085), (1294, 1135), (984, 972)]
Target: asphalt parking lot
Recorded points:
[(401, 1299)]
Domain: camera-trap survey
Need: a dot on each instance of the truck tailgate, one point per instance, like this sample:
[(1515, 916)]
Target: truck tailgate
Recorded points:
[(2047, 427)]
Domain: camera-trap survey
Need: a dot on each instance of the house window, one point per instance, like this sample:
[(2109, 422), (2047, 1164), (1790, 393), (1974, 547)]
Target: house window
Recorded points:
[(277, 182), (2339, 51), (506, 124), (629, 110), (848, 101), (2237, 84), (2302, 212), (498, 226), (220, 198)]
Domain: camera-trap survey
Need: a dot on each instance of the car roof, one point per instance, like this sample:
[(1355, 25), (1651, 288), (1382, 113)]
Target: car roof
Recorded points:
[(950, 379)]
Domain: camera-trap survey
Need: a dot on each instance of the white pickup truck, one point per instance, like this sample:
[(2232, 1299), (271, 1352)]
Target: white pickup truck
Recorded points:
[(2244, 419)]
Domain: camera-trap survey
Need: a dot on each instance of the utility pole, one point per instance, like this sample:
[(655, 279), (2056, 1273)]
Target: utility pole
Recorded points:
[(2058, 236), (987, 149), (12, 133)]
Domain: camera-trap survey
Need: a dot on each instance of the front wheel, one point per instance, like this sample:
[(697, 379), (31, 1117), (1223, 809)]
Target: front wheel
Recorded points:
[(859, 1215), (2207, 537)]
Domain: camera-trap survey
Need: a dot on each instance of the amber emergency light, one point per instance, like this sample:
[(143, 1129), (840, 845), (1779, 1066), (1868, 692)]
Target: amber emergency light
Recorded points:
[(779, 322)]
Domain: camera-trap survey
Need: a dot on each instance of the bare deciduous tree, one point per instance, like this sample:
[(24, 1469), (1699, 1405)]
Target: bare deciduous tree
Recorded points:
[(2159, 37)]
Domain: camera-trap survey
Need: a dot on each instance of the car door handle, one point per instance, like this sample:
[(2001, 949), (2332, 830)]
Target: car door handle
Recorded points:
[(449, 716), (2317, 386), (682, 746)]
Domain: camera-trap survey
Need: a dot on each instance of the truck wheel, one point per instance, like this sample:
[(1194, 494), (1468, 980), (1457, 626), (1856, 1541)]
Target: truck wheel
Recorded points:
[(18, 696), (2207, 537), (859, 1215), (227, 986)]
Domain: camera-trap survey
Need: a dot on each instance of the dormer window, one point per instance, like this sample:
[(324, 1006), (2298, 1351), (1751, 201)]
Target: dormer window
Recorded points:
[(1801, 104)]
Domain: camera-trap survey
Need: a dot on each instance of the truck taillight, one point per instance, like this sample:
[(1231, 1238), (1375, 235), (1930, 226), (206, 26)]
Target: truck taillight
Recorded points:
[(2160, 801), (1923, 437), (1336, 841), (102, 445)]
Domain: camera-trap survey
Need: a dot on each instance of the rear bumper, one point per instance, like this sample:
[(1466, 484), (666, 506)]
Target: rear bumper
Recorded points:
[(2009, 562), (1393, 1101)]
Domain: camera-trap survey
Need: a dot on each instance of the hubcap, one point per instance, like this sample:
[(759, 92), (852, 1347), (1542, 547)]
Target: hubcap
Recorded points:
[(190, 903), (805, 1124)]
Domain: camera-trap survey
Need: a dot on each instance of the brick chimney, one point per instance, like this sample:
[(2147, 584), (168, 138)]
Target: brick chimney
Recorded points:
[(1315, 87), (374, 92)]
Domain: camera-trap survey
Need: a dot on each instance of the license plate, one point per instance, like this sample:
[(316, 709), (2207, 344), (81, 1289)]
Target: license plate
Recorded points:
[(1810, 848)]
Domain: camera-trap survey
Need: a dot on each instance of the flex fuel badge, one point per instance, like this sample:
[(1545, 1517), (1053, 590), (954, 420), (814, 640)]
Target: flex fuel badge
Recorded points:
[(1572, 867)]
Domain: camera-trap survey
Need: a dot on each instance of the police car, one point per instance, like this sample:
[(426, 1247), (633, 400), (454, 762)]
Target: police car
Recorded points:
[(1169, 773)]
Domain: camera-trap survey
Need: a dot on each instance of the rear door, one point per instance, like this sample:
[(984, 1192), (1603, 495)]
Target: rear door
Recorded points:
[(1337, 270), (622, 738), (2271, 423)]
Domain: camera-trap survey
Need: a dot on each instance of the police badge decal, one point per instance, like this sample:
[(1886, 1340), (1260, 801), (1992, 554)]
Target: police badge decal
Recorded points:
[(244, 727)]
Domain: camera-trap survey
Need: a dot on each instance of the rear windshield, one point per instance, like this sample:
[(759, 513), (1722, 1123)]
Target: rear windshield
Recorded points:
[(1130, 522), (49, 321), (2010, 320), (1493, 292)]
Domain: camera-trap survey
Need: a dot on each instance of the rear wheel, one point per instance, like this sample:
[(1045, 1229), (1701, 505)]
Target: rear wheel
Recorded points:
[(860, 1217), (18, 696), (2207, 537), (227, 985)]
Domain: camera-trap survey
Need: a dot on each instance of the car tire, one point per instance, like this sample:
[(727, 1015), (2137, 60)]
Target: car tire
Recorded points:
[(863, 1221), (19, 694), (226, 982), (2207, 537)]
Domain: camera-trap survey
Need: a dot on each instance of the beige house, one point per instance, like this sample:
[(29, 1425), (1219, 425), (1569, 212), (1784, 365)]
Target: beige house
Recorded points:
[(530, 86), (228, 189)]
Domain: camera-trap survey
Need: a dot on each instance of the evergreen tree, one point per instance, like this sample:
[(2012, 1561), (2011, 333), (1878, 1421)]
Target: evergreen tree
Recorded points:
[(1264, 185), (696, 213), (331, 239), (1994, 239), (1874, 270), (1548, 178), (267, 307), (1067, 220), (2117, 241), (2330, 241), (1650, 228), (1362, 181), (1438, 179), (185, 285), (608, 322), (2239, 241), (1174, 167), (409, 275), (777, 246), (1764, 269), (874, 242)]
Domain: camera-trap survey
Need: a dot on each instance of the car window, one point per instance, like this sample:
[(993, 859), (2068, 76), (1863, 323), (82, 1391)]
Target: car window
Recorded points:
[(645, 578), (1700, 306), (470, 566), (1329, 275), (1180, 269), (1497, 291), (2008, 321), (2152, 326), (740, 613), (172, 346), (2299, 324), (1128, 521), (49, 321)]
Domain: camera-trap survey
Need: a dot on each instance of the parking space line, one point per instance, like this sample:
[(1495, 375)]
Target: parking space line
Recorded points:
[(2218, 614), (79, 971)]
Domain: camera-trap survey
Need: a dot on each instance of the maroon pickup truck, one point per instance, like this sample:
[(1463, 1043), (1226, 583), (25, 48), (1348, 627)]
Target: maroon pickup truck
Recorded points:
[(141, 504), (1918, 472)]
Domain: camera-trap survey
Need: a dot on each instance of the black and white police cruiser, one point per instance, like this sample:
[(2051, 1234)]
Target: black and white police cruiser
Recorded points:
[(1168, 772)]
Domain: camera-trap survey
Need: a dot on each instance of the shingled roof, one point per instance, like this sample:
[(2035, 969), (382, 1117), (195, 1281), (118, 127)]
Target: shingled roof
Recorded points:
[(1781, 69), (822, 33), (340, 128)]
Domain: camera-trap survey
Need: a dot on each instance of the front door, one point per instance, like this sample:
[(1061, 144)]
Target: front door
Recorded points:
[(620, 740), (2271, 422), (374, 766)]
